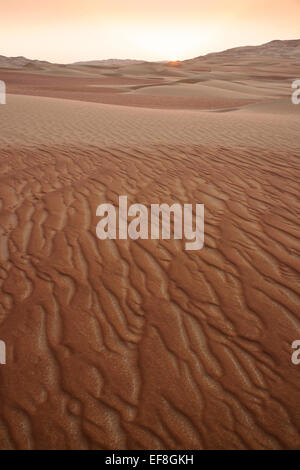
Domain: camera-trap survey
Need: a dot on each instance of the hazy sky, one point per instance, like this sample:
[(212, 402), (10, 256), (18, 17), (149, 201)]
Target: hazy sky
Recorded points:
[(71, 30)]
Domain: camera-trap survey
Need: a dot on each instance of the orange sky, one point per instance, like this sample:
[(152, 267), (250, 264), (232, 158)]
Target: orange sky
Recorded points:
[(70, 30)]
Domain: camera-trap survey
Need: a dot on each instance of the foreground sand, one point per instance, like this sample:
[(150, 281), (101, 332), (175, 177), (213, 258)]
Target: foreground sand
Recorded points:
[(133, 345)]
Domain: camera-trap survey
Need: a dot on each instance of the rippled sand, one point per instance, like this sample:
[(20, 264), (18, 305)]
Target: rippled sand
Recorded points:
[(140, 344)]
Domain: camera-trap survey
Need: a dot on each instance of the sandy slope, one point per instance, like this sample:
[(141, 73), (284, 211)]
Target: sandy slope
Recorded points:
[(141, 344), (211, 82), (34, 121)]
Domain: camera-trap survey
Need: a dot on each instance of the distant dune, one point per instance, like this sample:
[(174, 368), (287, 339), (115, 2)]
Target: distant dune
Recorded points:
[(19, 62), (230, 79), (109, 62), (276, 48)]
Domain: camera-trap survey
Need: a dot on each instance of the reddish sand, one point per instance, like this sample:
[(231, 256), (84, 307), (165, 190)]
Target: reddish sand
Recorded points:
[(140, 344)]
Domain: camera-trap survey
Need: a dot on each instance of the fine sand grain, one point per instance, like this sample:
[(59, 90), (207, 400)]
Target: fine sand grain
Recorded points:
[(123, 344)]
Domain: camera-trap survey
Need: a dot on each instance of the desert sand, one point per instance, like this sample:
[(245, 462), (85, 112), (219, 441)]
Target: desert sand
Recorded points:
[(123, 344)]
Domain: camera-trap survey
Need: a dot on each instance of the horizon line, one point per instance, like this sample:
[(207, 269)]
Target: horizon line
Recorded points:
[(146, 60)]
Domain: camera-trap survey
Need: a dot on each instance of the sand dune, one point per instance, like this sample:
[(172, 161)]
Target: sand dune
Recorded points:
[(213, 90), (48, 121), (123, 344), (209, 82), (276, 48)]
